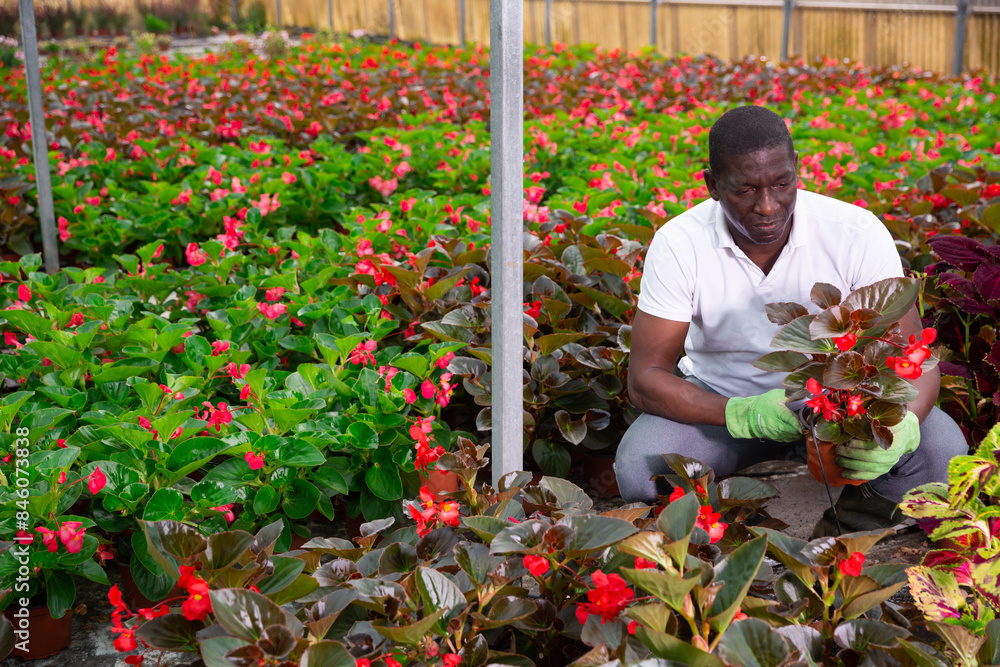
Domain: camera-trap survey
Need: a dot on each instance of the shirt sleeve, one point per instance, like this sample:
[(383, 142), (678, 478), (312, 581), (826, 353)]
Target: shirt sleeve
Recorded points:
[(879, 258), (667, 286)]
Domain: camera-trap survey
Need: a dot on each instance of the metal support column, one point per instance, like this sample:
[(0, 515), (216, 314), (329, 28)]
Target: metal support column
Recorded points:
[(461, 21), (961, 20), (507, 245), (548, 22), (392, 19), (234, 12), (652, 22), (39, 138), (786, 28), (329, 6), (278, 13)]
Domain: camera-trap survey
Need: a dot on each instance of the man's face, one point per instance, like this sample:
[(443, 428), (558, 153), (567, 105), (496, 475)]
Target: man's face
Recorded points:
[(757, 194)]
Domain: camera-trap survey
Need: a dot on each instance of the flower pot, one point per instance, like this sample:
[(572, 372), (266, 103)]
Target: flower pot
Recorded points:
[(440, 483), (599, 473), (828, 454), (47, 635), (130, 592)]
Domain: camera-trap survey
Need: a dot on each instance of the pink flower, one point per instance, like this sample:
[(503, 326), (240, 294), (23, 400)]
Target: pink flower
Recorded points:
[(195, 256), (24, 293), (24, 537), (96, 480), (218, 416), (256, 461), (228, 511), (237, 372), (64, 234), (220, 346), (409, 396), (72, 536), (49, 539), (272, 312), (427, 389), (362, 355), (245, 392), (274, 294), (76, 320), (445, 360), (11, 339), (288, 178)]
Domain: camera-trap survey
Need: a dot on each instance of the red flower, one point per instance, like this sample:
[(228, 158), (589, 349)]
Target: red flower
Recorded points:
[(845, 342), (448, 512), (424, 512), (362, 662), (534, 309), (195, 255), (125, 641), (274, 293), (451, 660), (198, 604), (219, 346), (677, 494), (272, 312), (918, 351), (49, 539), (607, 599), (537, 565), (362, 355), (709, 520), (814, 387), (24, 537), (256, 461), (904, 368), (643, 563), (409, 395), (739, 615), (96, 480), (76, 320), (237, 372), (852, 565), (854, 406), (24, 293)]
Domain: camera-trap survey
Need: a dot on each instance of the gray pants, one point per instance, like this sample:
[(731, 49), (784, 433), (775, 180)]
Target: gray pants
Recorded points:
[(639, 455)]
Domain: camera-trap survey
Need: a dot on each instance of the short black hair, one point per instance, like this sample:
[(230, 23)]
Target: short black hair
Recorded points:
[(745, 130)]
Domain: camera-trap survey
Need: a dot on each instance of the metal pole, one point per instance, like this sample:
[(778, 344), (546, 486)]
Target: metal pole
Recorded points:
[(507, 246), (279, 13), (652, 22), (234, 12), (461, 21), (548, 22), (329, 5), (786, 28), (961, 19), (39, 140), (392, 19)]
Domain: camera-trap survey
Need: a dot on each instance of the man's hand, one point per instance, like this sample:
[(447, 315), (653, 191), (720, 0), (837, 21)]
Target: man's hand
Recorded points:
[(865, 459), (764, 416)]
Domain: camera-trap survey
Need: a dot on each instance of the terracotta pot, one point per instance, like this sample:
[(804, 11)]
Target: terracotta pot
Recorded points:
[(130, 592), (441, 483), (828, 454), (297, 542), (47, 635), (599, 473)]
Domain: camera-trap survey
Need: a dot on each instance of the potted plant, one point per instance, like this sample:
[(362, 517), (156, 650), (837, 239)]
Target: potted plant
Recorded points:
[(104, 15), (56, 17), (849, 364), (46, 545), (76, 16)]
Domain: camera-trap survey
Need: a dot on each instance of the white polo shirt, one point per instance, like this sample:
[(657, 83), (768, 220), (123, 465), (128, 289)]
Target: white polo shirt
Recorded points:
[(694, 272)]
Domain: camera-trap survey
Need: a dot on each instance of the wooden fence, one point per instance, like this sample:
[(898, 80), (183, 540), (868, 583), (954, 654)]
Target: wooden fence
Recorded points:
[(920, 34)]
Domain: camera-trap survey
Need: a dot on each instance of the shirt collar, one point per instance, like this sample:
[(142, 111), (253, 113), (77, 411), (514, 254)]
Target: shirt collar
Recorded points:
[(797, 237)]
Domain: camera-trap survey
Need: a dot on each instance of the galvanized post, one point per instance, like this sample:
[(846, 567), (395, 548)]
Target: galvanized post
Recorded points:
[(961, 19), (548, 22), (329, 6), (461, 21), (392, 19), (507, 246), (652, 22), (786, 28), (39, 139), (279, 13), (234, 12)]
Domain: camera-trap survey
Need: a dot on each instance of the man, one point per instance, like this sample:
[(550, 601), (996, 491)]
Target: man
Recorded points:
[(708, 274)]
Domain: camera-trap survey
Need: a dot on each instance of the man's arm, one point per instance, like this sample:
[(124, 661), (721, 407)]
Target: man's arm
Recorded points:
[(929, 382), (657, 344)]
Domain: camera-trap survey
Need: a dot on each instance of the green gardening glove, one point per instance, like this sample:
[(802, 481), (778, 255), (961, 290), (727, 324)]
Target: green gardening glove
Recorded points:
[(865, 459), (765, 416)]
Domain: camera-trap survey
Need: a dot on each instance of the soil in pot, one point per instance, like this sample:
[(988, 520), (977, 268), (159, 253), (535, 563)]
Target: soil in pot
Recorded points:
[(46, 635), (440, 483), (828, 454)]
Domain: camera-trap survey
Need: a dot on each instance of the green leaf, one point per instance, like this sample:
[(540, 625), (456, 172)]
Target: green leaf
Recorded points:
[(165, 504), (438, 591), (195, 452), (208, 493), (573, 430), (593, 532), (327, 653), (844, 371), (669, 647), (383, 480), (892, 297), (664, 586), (62, 356), (300, 500), (227, 547), (172, 632), (781, 361), (299, 453), (243, 613), (409, 635), (265, 501), (795, 337), (825, 295), (60, 593), (752, 643), (736, 572), (551, 457), (286, 571)]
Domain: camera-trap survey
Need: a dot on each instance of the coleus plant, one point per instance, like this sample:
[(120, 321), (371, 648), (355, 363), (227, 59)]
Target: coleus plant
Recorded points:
[(849, 362), (956, 586)]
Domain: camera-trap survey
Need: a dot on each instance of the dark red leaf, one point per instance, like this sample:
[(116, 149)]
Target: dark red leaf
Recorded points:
[(965, 253), (987, 280), (963, 285)]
